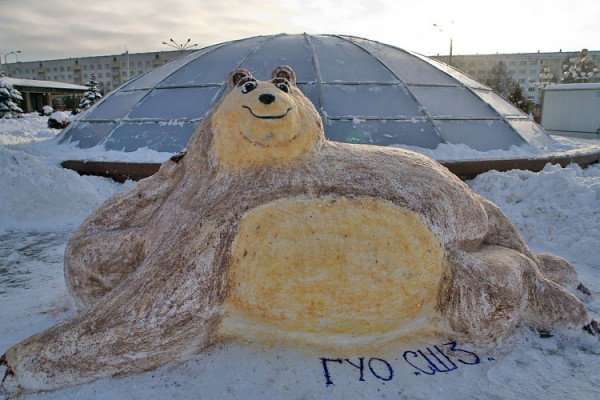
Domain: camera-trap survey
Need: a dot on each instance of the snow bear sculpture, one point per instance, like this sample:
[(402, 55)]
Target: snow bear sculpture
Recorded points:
[(264, 229)]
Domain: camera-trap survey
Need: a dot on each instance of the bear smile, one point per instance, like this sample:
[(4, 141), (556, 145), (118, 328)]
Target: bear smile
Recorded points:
[(268, 116)]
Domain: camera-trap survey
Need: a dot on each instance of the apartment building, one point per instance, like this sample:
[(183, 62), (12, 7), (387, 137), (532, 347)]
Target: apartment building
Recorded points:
[(109, 71), (525, 68), (113, 70)]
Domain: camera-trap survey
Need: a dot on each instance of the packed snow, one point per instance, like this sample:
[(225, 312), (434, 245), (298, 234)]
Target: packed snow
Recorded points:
[(556, 210)]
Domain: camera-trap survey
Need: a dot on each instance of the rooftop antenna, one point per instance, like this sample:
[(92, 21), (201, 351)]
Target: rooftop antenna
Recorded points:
[(180, 46)]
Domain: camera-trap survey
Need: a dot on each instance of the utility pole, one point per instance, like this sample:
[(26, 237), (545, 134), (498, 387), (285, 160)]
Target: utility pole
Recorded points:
[(449, 33), (5, 60)]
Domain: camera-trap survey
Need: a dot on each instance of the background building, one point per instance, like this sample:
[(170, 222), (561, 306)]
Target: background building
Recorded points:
[(525, 68), (109, 71)]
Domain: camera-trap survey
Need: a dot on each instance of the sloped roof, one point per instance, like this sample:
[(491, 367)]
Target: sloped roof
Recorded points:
[(367, 92), (34, 83)]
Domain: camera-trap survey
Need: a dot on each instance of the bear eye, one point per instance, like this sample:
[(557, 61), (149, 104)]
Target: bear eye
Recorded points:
[(248, 87), (283, 87)]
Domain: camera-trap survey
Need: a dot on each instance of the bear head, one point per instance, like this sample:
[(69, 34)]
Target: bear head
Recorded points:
[(264, 123)]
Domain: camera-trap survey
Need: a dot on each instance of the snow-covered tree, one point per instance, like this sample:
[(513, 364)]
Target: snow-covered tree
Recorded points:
[(500, 79), (91, 96), (9, 99), (580, 69), (516, 97)]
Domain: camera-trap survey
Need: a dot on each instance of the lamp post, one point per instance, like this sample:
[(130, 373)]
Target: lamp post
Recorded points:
[(5, 59), (449, 34), (180, 46)]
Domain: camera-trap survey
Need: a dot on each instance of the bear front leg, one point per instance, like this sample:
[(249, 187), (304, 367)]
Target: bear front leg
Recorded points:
[(488, 292), (483, 294), (111, 244), (168, 308)]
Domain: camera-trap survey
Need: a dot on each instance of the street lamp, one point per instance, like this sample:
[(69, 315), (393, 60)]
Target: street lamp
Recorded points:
[(180, 47), (439, 28), (5, 57)]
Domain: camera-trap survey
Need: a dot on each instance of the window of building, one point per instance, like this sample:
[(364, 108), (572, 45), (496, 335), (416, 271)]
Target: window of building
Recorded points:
[(85, 76), (522, 71), (106, 66), (139, 64), (140, 72), (85, 67), (99, 66), (531, 89), (68, 68), (513, 62), (124, 73), (62, 69), (70, 77), (123, 65), (92, 67), (107, 74), (522, 81), (55, 69), (55, 77)]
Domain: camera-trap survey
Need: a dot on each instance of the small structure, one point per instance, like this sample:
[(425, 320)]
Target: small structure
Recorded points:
[(37, 94), (572, 110)]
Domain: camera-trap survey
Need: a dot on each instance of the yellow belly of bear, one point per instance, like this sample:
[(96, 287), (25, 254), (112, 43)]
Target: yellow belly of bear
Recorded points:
[(333, 267)]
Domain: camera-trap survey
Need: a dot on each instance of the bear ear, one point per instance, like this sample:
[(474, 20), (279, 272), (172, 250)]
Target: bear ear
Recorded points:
[(236, 76), (285, 72)]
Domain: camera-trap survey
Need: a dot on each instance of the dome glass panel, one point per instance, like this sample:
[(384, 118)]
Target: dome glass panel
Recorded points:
[(213, 66), (167, 137), (419, 133), (282, 50), (343, 61), (116, 106), (178, 103), (480, 134), (369, 101), (452, 102)]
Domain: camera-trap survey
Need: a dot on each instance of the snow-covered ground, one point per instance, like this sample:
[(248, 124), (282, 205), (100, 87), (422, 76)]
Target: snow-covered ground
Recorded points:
[(556, 210)]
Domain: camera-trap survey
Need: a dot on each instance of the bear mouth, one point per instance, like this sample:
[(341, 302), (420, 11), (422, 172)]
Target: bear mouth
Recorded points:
[(265, 145), (268, 116)]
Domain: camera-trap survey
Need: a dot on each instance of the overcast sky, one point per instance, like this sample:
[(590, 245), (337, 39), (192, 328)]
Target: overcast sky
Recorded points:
[(49, 29)]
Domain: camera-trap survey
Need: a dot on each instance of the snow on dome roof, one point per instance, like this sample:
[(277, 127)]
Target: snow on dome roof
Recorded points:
[(366, 91)]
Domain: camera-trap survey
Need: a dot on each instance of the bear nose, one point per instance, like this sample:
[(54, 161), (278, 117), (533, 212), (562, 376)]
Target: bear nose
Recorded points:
[(266, 98)]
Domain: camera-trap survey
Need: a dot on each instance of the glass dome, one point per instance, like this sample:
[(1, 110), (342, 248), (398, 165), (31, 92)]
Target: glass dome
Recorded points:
[(367, 92)]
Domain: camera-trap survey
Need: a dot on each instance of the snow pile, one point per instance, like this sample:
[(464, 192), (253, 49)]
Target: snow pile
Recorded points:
[(37, 196), (451, 152), (555, 210), (35, 192)]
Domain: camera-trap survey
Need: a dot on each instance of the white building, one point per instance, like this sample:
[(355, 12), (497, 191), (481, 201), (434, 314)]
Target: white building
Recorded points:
[(110, 71)]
